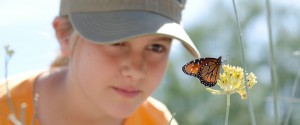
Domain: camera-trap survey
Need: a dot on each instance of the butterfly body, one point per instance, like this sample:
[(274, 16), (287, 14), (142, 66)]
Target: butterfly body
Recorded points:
[(205, 69)]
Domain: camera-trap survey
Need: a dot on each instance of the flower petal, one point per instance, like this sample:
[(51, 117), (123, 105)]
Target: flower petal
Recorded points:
[(214, 91), (243, 94), (251, 80)]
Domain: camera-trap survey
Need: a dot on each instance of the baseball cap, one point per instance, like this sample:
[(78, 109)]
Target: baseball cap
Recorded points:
[(113, 21)]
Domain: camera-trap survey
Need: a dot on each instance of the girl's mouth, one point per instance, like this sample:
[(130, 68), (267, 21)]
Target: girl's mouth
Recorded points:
[(127, 93)]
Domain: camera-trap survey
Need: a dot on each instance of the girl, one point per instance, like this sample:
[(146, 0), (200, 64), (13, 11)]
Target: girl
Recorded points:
[(113, 56)]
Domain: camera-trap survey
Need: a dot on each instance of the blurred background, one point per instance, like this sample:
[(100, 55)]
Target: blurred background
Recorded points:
[(26, 26)]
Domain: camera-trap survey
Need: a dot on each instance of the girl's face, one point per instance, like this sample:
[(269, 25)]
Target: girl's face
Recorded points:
[(117, 78)]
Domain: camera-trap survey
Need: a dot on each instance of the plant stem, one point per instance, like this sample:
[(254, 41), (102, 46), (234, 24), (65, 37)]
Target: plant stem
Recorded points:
[(22, 114), (35, 104), (290, 106), (10, 103), (249, 103), (173, 115), (227, 109), (273, 69)]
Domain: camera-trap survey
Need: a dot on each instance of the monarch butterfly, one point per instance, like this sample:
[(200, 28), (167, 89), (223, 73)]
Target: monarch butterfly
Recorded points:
[(205, 69)]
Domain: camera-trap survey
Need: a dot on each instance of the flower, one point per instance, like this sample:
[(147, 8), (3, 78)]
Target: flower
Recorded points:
[(232, 81), (9, 51)]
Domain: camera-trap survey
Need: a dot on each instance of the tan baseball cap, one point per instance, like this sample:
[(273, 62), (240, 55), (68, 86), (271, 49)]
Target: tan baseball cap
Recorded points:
[(113, 21)]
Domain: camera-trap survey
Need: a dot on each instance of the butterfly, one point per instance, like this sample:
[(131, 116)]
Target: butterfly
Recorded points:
[(205, 69)]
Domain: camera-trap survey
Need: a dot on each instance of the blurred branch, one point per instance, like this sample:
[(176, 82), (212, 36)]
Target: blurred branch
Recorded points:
[(272, 61), (290, 107), (250, 107), (285, 99), (8, 54), (173, 115)]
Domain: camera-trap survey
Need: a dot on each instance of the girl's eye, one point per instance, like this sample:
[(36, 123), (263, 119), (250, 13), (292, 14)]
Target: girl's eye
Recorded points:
[(157, 48), (119, 44)]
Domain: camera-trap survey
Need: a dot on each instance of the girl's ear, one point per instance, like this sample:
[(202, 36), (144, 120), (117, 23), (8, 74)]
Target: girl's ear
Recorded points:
[(63, 31)]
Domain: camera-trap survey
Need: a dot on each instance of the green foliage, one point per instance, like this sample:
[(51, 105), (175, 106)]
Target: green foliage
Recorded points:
[(216, 36)]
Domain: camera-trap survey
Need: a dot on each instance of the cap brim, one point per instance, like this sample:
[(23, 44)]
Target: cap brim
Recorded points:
[(113, 27)]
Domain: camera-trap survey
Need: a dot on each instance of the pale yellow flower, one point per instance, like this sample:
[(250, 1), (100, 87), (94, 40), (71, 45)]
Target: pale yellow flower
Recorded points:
[(232, 81)]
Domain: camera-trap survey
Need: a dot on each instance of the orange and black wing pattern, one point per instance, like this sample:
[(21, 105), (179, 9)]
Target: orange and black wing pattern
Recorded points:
[(205, 69)]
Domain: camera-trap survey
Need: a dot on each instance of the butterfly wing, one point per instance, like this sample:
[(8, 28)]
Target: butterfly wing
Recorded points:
[(209, 72), (192, 68), (205, 69)]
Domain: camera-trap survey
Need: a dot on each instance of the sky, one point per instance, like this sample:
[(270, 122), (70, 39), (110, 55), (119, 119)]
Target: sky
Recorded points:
[(26, 25)]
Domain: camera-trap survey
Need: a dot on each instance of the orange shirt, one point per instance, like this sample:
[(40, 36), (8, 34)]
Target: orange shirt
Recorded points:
[(151, 112)]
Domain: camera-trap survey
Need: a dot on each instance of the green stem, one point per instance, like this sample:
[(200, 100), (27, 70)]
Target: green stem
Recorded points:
[(273, 69), (173, 115), (290, 106), (227, 109), (8, 94), (35, 104), (22, 114), (249, 103)]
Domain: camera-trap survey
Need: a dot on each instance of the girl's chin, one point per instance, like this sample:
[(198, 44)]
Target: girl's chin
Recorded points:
[(123, 112), (122, 115)]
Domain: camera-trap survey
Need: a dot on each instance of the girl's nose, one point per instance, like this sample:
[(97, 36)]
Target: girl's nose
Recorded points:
[(134, 65)]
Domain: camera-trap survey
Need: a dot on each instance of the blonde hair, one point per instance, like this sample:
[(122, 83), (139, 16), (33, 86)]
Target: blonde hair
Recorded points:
[(60, 60)]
